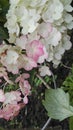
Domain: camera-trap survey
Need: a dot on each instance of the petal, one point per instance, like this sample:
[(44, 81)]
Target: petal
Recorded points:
[(2, 96)]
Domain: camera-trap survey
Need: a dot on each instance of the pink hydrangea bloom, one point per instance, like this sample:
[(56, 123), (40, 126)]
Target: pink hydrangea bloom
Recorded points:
[(25, 100), (22, 77), (34, 50), (25, 87), (10, 111), (44, 56), (27, 63)]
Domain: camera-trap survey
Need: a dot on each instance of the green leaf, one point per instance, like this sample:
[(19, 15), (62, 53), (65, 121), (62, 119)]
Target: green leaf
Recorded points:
[(3, 33), (4, 6), (57, 104), (71, 123), (1, 128)]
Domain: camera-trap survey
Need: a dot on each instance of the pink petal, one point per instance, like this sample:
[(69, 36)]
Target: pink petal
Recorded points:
[(29, 63), (34, 50), (25, 100), (25, 87)]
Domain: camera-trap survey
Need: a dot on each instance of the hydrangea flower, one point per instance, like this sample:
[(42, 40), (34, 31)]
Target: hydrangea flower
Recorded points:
[(36, 50), (37, 35), (12, 97), (53, 11), (10, 111), (44, 70), (2, 96), (11, 57)]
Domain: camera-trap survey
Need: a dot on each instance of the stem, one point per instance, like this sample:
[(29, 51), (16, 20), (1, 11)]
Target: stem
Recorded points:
[(66, 66), (46, 85), (46, 124), (4, 85), (54, 82)]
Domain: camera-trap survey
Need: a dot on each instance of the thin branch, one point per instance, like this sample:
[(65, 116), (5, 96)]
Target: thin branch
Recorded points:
[(1, 106), (46, 124), (46, 85), (54, 82), (66, 66)]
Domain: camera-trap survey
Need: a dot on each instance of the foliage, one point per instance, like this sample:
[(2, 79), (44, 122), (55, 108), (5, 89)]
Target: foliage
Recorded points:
[(3, 33), (4, 5), (68, 83), (57, 104), (68, 87), (1, 128), (57, 101)]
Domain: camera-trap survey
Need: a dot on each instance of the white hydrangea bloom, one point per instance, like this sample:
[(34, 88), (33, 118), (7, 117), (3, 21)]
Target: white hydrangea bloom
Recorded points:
[(66, 42), (33, 36), (11, 57), (32, 18), (59, 50), (66, 2), (70, 25), (19, 15), (9, 98), (68, 8), (12, 38), (14, 2), (44, 70), (37, 3), (53, 38), (43, 20), (68, 18), (44, 29), (13, 68), (21, 42), (53, 12), (32, 3), (50, 51), (12, 24)]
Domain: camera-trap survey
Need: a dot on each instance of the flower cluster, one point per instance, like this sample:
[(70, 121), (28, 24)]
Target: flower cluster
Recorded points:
[(37, 34), (46, 21)]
